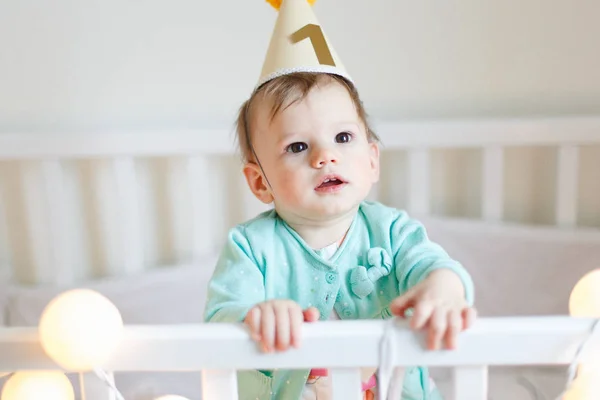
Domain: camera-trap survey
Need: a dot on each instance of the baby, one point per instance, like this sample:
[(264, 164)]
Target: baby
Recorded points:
[(324, 252)]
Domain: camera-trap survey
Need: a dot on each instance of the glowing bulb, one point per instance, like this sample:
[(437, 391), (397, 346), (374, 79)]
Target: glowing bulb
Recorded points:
[(585, 296), (586, 386), (79, 329), (585, 302), (38, 385)]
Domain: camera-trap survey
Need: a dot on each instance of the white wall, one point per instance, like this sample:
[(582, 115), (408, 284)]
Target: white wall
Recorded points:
[(72, 64), (94, 65)]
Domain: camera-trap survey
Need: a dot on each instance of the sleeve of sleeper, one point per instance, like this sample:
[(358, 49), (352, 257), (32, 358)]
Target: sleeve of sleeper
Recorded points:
[(237, 283), (236, 286), (415, 256)]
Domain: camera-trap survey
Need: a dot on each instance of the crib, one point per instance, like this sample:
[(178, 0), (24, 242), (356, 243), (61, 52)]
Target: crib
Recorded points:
[(139, 217)]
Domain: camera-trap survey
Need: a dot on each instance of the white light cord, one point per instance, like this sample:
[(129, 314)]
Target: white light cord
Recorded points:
[(572, 371), (387, 352), (81, 386), (109, 382)]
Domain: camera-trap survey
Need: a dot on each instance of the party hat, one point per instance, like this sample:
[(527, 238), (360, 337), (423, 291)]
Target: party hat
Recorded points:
[(299, 44)]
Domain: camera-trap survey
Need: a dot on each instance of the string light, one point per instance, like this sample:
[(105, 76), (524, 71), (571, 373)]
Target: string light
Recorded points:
[(38, 385), (80, 329), (584, 302)]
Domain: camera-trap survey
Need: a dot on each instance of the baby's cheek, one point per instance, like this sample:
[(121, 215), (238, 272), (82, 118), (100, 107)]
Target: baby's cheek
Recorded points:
[(289, 185)]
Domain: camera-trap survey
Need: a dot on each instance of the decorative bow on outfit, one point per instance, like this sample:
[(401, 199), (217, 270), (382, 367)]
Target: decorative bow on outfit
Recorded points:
[(362, 280)]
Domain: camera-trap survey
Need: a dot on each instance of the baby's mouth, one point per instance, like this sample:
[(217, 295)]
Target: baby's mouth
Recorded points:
[(330, 182)]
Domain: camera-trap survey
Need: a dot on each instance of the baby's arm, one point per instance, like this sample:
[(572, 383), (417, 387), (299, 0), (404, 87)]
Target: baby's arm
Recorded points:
[(237, 283), (236, 294), (437, 288), (236, 286)]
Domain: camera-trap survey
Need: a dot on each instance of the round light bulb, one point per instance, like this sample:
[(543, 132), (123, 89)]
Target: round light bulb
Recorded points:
[(79, 329), (586, 386), (38, 385), (585, 296)]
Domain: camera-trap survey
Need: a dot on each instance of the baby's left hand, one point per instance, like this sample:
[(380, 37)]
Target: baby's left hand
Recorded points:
[(439, 306)]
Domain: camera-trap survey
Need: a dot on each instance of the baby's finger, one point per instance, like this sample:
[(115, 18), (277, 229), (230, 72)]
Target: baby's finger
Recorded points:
[(454, 327), (469, 315), (282, 327), (437, 328), (267, 327), (311, 314), (422, 312), (252, 320), (296, 319), (400, 304)]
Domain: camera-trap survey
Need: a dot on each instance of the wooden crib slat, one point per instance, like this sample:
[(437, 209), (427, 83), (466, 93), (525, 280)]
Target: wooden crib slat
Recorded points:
[(129, 214), (345, 384), (471, 382), (567, 185), (419, 182), (104, 203), (219, 384), (5, 256), (179, 205), (58, 226), (198, 174), (493, 184), (394, 181), (40, 268)]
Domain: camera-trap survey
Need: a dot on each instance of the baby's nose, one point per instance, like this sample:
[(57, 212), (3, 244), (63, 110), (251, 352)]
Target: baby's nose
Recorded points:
[(324, 157)]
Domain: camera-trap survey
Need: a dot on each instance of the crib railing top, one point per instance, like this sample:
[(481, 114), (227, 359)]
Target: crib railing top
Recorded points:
[(491, 341), (394, 134)]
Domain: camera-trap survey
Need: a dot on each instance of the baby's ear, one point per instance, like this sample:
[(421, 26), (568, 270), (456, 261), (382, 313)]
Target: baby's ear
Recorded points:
[(257, 183)]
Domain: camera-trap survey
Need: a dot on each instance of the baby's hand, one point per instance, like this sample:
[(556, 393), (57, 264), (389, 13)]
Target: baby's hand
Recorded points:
[(276, 324), (439, 306)]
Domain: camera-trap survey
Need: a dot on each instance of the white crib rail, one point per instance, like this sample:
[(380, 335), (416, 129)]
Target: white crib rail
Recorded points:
[(344, 346)]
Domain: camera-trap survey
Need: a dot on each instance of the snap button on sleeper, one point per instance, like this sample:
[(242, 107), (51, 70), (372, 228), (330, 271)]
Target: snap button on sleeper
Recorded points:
[(330, 277), (347, 313)]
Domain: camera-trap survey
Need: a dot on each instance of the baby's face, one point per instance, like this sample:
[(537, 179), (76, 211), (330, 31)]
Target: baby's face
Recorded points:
[(316, 156)]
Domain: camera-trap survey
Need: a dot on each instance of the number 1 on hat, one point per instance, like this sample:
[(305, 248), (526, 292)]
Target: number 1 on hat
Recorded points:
[(317, 39)]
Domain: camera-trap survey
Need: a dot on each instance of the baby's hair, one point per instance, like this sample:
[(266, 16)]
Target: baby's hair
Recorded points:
[(282, 92)]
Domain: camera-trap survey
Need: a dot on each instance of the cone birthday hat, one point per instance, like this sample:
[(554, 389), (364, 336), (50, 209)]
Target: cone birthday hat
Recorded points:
[(299, 44)]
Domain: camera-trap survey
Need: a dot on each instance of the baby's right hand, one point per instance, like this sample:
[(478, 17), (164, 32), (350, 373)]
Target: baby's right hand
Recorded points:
[(276, 324)]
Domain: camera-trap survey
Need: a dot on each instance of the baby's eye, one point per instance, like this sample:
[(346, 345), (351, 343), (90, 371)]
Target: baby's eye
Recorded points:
[(297, 147), (343, 137)]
